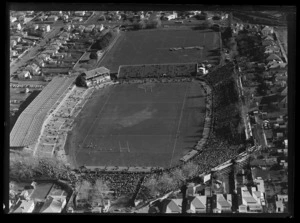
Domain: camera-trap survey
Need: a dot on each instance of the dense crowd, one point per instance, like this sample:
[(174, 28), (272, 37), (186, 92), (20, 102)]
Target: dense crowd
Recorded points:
[(156, 71), (26, 85), (120, 183)]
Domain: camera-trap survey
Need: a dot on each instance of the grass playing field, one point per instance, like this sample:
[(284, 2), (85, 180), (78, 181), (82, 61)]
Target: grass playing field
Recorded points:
[(153, 47), (126, 125)]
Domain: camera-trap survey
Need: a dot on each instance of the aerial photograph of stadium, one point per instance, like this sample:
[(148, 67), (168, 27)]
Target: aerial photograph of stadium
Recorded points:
[(149, 112)]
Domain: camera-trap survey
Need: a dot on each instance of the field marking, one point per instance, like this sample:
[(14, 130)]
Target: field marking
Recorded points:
[(111, 135), (117, 103), (97, 117), (179, 122)]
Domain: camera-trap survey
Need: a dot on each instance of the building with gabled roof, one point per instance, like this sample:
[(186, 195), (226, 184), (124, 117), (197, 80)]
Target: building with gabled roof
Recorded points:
[(223, 205), (24, 206), (248, 200), (54, 204), (267, 30), (100, 71), (196, 204), (273, 57), (172, 206)]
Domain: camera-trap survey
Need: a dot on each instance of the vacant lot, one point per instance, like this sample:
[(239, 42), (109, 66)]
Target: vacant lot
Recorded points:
[(153, 47), (126, 125)]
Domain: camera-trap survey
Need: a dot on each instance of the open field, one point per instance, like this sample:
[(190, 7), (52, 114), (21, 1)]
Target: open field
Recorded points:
[(152, 47), (152, 128)]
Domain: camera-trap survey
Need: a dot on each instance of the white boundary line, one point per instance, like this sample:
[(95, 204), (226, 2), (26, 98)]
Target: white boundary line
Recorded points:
[(96, 118), (179, 122)]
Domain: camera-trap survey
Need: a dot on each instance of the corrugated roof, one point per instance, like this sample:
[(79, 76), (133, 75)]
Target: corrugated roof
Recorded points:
[(250, 200), (28, 126), (97, 71), (199, 202), (172, 206)]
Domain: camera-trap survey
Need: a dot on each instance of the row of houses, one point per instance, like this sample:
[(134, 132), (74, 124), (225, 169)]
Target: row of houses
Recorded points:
[(46, 197)]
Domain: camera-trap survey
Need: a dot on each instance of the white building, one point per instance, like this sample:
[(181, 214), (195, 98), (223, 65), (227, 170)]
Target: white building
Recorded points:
[(223, 205), (13, 19), (24, 75), (196, 204), (248, 201), (45, 27), (79, 13), (24, 206), (53, 18), (33, 69), (54, 204)]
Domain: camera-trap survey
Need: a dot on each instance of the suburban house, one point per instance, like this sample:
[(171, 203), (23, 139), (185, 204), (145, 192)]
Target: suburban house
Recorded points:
[(268, 42), (89, 28), (13, 19), (13, 53), (39, 62), (282, 197), (273, 57), (24, 74), (53, 47), (24, 206), (54, 204), (52, 18), (272, 49), (13, 43), (269, 37), (267, 30), (260, 184), (45, 27), (279, 206), (248, 200), (16, 38), (44, 57), (196, 204), (79, 13), (170, 16), (276, 100), (172, 206), (33, 69), (40, 191), (223, 205), (67, 27), (78, 19), (99, 27), (51, 53)]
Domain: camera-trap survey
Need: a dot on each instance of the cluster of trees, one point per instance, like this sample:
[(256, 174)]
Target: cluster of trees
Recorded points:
[(104, 41), (24, 166), (175, 179), (92, 192), (146, 24), (81, 80)]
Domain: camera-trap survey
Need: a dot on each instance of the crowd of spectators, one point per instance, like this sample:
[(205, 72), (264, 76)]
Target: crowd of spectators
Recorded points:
[(158, 70)]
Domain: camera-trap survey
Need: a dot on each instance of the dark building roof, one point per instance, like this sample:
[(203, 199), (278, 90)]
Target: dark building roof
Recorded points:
[(272, 99)]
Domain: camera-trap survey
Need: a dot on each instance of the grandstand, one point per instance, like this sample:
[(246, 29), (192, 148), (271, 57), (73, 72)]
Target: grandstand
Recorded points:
[(100, 71), (28, 126), (157, 70)]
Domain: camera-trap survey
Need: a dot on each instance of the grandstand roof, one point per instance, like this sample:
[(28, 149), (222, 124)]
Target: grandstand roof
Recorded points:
[(96, 72), (28, 126)]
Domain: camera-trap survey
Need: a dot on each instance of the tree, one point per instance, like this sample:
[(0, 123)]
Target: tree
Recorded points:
[(207, 24), (93, 55), (190, 170), (139, 24), (166, 183), (179, 177), (151, 185), (155, 23)]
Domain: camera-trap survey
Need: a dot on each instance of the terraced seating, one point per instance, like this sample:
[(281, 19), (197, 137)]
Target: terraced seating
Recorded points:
[(28, 126)]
